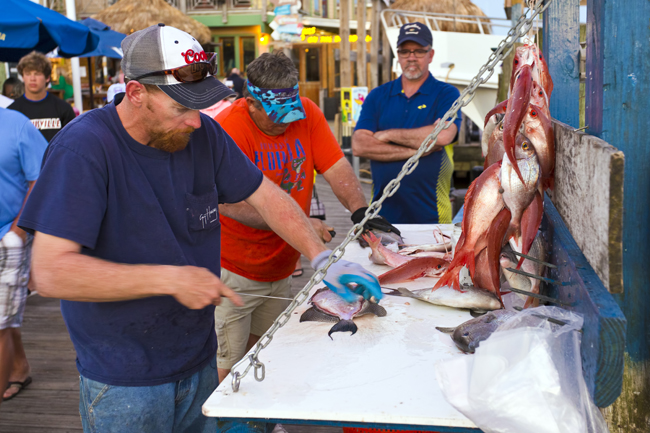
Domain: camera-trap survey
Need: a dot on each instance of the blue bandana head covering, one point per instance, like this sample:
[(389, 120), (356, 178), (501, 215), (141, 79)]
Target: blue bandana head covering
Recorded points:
[(281, 105)]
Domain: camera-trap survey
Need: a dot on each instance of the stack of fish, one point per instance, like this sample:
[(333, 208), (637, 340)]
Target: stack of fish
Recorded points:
[(504, 204)]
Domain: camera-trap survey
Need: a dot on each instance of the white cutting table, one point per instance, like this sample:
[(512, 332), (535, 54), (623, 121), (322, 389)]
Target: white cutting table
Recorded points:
[(383, 376)]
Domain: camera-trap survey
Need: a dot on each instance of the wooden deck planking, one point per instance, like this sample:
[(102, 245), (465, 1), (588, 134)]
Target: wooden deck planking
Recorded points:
[(51, 403)]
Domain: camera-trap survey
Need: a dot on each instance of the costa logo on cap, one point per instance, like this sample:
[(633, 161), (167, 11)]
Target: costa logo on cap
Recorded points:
[(192, 57)]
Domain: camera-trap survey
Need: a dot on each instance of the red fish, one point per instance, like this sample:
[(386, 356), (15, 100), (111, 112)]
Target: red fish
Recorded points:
[(483, 202), (517, 195), (539, 129), (487, 275), (416, 267), (530, 221), (516, 110)]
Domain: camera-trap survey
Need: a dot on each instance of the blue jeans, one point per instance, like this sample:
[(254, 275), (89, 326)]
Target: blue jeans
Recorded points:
[(172, 407)]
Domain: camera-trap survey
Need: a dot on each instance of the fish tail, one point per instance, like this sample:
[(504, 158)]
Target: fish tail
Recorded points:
[(372, 240), (343, 326), (449, 278)]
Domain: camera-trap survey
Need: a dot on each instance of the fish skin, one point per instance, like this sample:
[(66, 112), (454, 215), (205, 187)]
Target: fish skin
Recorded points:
[(488, 271), (538, 127), (471, 298), (530, 222), (385, 237), (417, 267), (488, 129), (517, 195), (516, 111), (468, 336), (495, 147), (483, 202), (330, 307), (381, 255)]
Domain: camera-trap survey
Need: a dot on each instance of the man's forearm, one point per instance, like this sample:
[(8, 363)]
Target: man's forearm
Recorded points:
[(414, 137), (78, 277), (284, 217), (245, 214), (366, 146), (345, 185)]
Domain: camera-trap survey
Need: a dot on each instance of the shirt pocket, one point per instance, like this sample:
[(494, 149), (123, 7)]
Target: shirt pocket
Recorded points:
[(203, 210)]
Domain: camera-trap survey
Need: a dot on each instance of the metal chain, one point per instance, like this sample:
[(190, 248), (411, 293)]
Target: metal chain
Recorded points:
[(521, 29)]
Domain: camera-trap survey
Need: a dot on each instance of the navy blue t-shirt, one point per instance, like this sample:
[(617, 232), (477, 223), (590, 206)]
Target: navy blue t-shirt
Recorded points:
[(129, 203), (423, 196)]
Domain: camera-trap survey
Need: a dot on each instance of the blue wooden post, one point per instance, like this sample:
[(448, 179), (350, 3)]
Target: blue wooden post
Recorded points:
[(618, 111), (561, 47)]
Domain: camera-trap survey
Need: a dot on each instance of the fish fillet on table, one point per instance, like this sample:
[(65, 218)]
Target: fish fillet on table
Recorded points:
[(327, 306)]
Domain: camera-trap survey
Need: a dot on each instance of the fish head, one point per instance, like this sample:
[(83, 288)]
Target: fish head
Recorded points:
[(538, 96), (469, 335), (523, 148)]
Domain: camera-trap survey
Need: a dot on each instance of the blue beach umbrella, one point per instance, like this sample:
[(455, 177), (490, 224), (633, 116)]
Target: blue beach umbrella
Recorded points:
[(110, 41), (26, 26)]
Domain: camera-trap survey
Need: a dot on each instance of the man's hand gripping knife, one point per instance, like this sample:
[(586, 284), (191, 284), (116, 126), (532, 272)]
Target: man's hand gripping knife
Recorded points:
[(342, 273), (378, 223)]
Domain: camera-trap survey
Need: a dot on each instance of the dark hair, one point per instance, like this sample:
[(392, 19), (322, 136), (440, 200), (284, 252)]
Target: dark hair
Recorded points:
[(35, 61), (271, 71), (17, 88)]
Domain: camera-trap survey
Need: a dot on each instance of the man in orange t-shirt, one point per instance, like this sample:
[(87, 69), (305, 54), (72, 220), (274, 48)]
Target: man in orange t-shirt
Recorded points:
[(287, 137)]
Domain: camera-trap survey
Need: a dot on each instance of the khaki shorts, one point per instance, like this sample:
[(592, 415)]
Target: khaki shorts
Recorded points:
[(235, 324)]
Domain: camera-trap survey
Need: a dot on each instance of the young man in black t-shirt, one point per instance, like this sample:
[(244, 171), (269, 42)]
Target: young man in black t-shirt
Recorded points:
[(48, 113)]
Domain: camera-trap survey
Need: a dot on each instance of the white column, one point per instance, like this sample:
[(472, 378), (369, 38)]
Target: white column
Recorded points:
[(71, 12)]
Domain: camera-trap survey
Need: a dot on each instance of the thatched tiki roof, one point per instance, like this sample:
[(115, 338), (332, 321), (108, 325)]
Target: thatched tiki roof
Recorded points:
[(128, 16), (456, 7)]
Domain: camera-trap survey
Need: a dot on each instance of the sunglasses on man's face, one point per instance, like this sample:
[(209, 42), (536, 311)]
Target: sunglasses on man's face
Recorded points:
[(189, 73)]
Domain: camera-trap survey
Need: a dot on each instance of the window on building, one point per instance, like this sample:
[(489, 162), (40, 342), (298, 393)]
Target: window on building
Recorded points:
[(227, 54), (246, 51), (316, 10)]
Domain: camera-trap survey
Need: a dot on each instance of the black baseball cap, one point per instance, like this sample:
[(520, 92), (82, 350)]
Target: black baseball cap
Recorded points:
[(415, 32), (162, 47)]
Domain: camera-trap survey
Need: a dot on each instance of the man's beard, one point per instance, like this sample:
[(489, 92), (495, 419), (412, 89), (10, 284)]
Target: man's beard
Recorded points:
[(413, 75), (170, 141)]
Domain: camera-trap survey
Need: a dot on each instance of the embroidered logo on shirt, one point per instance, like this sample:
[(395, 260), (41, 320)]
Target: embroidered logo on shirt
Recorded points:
[(46, 123), (211, 215), (422, 106)]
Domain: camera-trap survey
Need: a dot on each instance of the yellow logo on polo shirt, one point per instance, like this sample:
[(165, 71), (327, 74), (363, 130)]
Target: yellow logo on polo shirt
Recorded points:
[(422, 106)]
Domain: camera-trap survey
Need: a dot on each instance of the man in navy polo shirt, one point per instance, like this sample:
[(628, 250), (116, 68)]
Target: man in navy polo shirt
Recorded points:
[(127, 234), (395, 119)]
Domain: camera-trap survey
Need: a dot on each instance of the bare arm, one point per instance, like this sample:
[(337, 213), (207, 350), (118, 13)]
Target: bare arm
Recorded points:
[(414, 137), (284, 216), (59, 270), (14, 226), (345, 185), (367, 146), (245, 214)]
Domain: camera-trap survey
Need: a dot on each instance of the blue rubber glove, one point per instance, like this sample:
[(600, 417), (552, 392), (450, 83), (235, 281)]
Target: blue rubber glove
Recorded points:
[(342, 273)]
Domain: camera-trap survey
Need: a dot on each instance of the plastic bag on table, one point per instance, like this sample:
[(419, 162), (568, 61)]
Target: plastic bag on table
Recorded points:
[(526, 377)]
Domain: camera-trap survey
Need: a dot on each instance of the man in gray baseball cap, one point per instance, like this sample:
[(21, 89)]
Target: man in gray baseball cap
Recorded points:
[(126, 222)]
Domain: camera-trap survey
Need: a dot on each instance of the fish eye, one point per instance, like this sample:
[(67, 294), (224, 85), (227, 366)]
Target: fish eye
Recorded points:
[(541, 93), (466, 334), (524, 145), (533, 113), (501, 127), (516, 62)]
